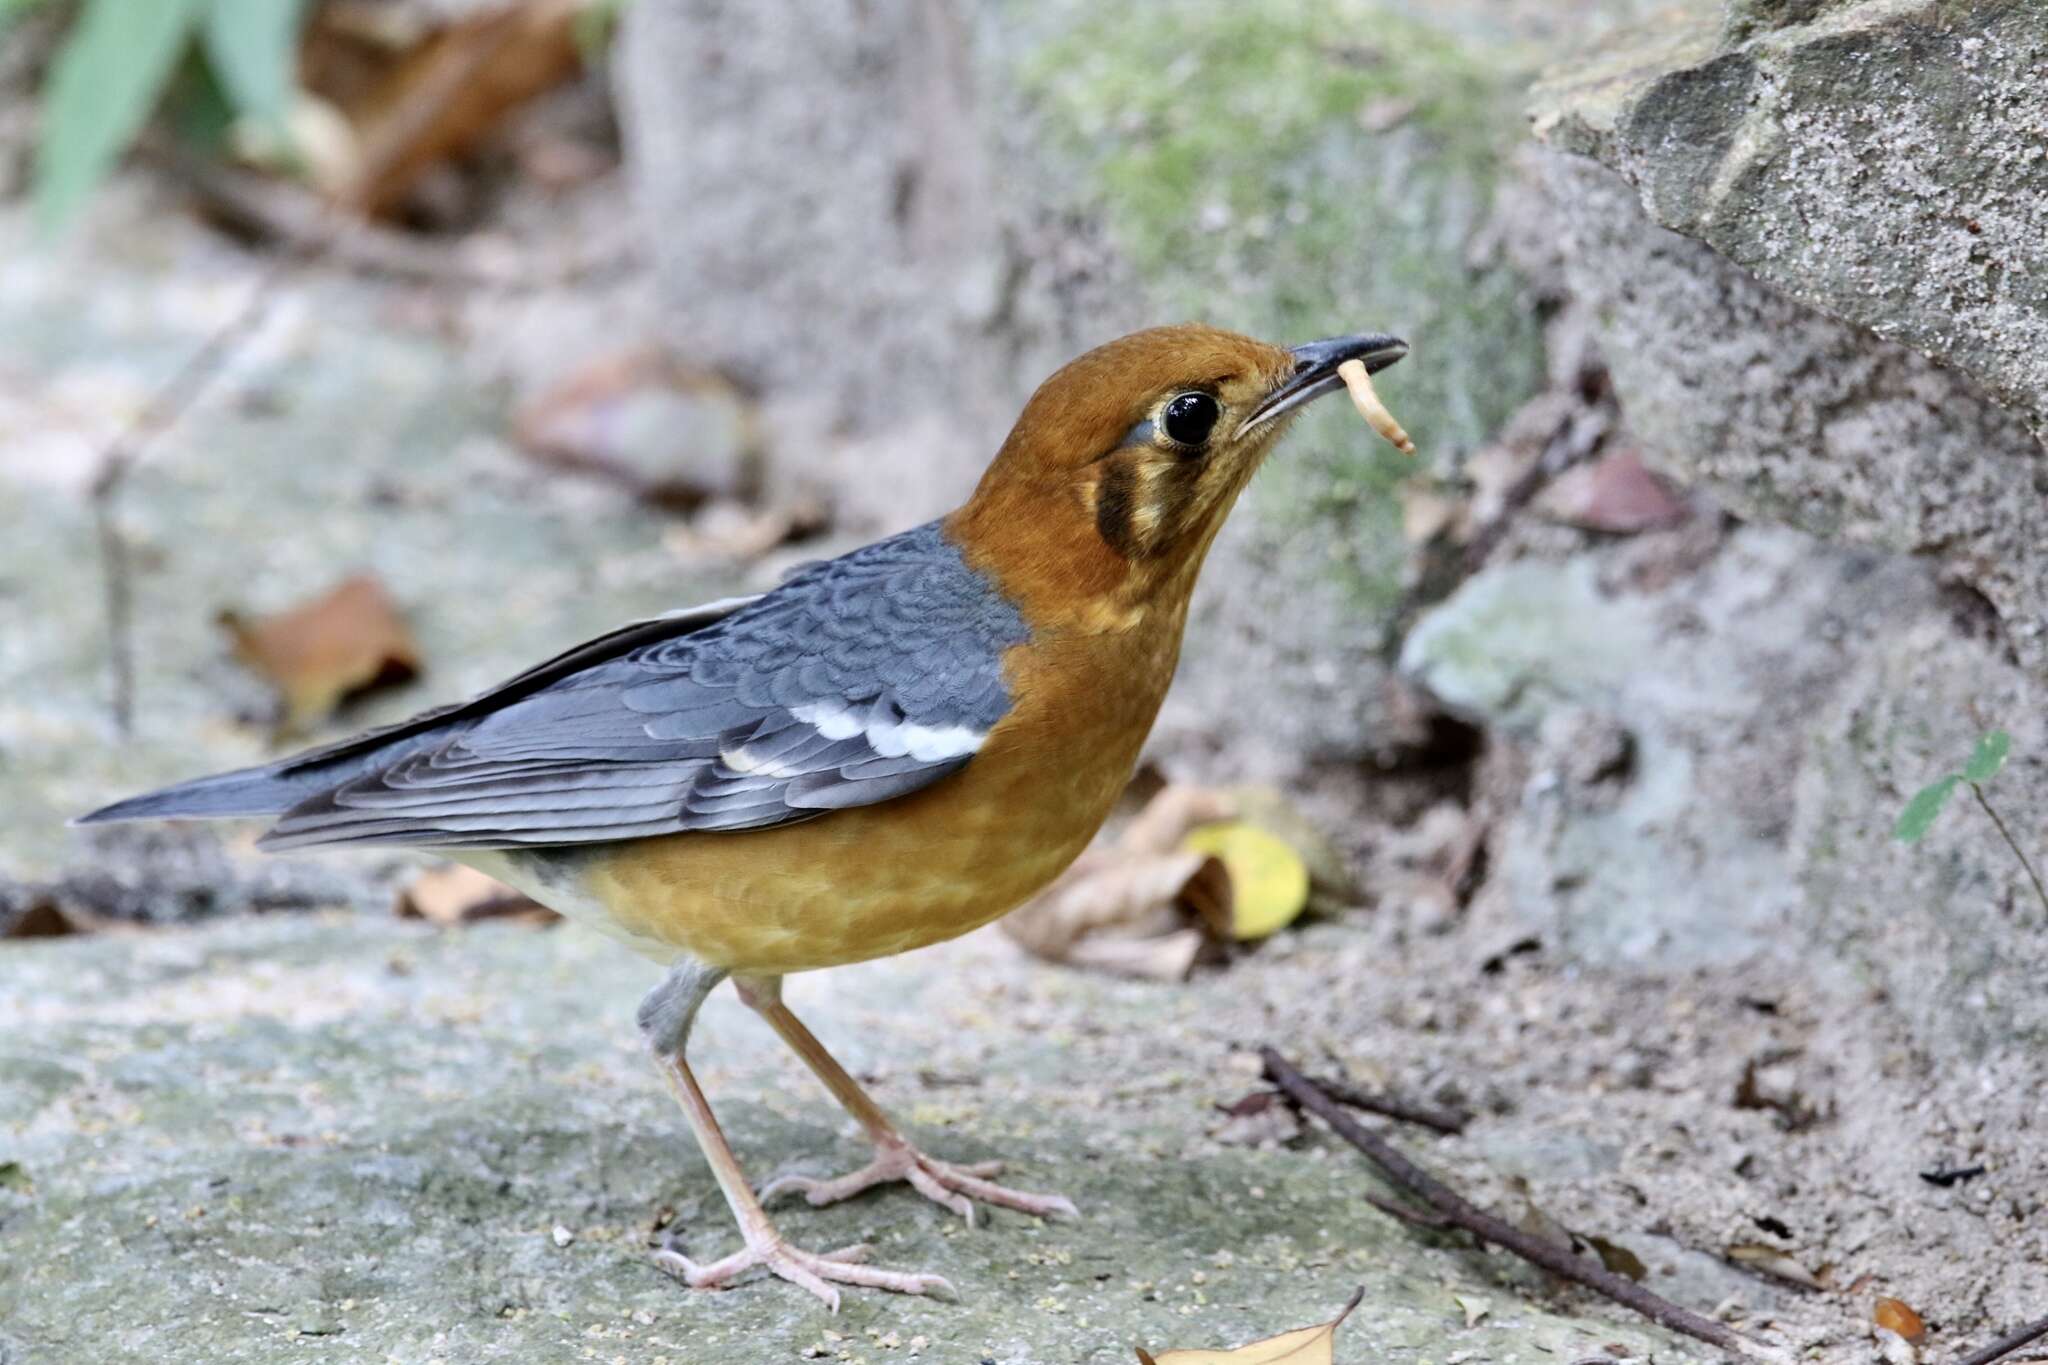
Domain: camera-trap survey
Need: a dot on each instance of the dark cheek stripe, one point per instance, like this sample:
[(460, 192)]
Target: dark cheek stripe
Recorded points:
[(1115, 504)]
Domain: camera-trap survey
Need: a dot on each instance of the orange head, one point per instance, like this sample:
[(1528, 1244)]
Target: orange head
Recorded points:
[(1123, 465)]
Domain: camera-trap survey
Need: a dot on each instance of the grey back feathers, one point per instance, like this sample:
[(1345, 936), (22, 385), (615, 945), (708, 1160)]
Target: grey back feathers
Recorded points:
[(859, 679)]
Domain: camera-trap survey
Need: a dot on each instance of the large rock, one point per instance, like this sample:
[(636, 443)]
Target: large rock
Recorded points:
[(1819, 260), (1790, 415), (360, 1139), (1663, 729), (1885, 162)]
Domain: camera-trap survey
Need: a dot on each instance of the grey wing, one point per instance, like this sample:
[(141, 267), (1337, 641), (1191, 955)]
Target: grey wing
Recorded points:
[(858, 680)]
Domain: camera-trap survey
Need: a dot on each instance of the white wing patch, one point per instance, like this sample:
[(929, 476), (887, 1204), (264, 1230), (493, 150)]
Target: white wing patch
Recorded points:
[(890, 739)]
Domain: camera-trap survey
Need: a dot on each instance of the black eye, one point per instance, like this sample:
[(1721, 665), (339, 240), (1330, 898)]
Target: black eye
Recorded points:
[(1189, 417)]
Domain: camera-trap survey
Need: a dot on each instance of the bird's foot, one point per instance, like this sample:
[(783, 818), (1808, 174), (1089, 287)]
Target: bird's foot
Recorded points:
[(955, 1187), (815, 1271)]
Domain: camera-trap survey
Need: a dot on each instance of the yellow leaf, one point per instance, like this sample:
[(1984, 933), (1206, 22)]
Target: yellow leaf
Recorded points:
[(1268, 880), (1307, 1346)]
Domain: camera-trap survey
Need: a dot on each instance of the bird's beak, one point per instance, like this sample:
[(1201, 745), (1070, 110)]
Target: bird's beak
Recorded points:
[(1315, 372)]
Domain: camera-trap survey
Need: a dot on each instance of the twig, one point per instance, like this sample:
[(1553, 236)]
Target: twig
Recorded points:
[(2006, 1345), (1557, 1259), (2011, 843), (1391, 1106), (1421, 1218), (163, 410)]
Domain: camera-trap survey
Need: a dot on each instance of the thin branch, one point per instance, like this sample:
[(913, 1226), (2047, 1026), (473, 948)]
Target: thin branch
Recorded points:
[(164, 409), (1455, 1209), (1421, 1218), (2006, 1345), (2011, 843), (1391, 1106)]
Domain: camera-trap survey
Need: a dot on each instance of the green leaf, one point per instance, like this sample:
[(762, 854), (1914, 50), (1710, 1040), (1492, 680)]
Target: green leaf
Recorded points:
[(102, 86), (1921, 810), (254, 48), (1989, 757)]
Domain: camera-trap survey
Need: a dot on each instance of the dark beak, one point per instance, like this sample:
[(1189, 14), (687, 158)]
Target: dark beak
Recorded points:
[(1315, 371)]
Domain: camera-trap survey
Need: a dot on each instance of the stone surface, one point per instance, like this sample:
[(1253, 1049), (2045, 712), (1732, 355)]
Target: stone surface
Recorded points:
[(1662, 728), (357, 1139), (1700, 745), (1884, 162), (1791, 416)]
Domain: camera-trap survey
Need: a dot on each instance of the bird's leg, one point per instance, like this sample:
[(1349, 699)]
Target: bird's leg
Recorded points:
[(665, 1018), (956, 1187)]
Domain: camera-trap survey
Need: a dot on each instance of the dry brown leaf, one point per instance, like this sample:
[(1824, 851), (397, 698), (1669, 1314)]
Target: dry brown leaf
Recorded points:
[(1126, 907), (1770, 1260), (1174, 883), (1125, 912), (1617, 1258), (1895, 1316), (729, 532), (1307, 1346), (323, 652), (615, 418), (1617, 494), (455, 893), (42, 919), (445, 91)]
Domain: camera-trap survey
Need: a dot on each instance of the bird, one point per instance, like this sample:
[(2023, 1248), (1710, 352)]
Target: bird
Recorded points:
[(886, 750)]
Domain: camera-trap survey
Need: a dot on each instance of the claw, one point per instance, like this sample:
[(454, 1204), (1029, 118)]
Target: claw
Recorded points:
[(952, 1187), (809, 1269)]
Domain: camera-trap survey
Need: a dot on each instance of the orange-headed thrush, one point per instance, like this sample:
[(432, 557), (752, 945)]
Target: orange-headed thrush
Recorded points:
[(889, 749)]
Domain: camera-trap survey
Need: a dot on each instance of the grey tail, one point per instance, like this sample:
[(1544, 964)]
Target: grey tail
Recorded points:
[(246, 791)]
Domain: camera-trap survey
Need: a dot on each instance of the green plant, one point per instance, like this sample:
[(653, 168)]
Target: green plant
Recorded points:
[(1927, 803), (116, 62)]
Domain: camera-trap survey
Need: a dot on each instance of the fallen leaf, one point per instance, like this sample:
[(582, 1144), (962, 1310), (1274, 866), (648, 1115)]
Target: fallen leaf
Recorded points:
[(1616, 493), (1127, 906), (729, 532), (1125, 912), (1617, 1258), (43, 918), (615, 418), (1268, 880), (440, 91), (1895, 1316), (1307, 1346), (456, 893), (1770, 1260), (1474, 1309), (328, 650), (1196, 866)]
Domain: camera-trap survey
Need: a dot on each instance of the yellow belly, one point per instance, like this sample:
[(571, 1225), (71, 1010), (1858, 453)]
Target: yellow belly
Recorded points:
[(860, 883)]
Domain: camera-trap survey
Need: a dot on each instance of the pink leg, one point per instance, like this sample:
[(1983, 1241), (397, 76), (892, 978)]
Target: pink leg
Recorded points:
[(665, 1018), (954, 1187)]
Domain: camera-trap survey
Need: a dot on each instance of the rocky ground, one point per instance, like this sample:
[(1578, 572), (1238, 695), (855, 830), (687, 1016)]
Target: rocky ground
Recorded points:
[(1619, 799)]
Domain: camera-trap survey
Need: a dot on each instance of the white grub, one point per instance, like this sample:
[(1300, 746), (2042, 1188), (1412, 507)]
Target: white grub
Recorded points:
[(1352, 372)]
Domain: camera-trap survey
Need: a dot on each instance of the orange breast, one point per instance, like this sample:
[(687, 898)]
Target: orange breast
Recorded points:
[(882, 879)]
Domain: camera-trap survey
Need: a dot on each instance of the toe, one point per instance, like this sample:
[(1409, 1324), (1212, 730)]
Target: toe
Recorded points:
[(928, 1185)]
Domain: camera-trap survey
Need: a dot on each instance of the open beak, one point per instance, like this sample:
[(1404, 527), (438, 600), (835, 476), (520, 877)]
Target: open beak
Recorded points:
[(1315, 371)]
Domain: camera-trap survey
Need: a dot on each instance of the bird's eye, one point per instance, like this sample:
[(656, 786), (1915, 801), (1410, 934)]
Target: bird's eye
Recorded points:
[(1188, 418)]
